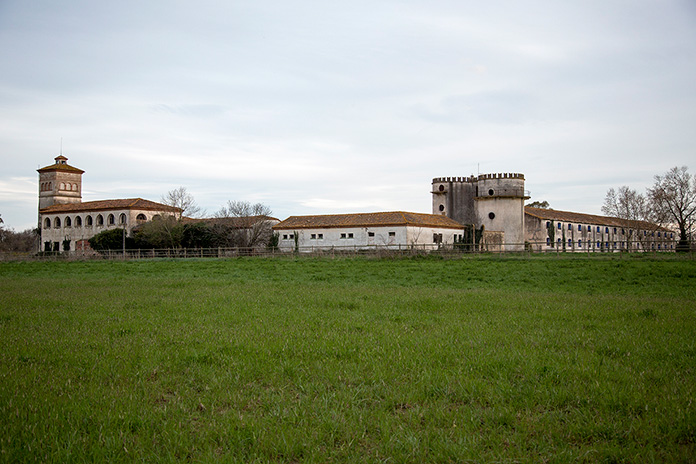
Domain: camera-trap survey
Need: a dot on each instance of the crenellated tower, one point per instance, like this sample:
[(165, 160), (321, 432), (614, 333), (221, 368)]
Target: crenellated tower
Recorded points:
[(495, 201)]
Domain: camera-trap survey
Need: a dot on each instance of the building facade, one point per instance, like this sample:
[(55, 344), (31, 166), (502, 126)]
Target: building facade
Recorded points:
[(386, 230), (494, 201), (66, 223), (553, 230)]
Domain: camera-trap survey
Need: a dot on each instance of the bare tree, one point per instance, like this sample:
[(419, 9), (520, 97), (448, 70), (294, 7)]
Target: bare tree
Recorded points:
[(242, 224), (180, 198), (674, 197), (626, 203)]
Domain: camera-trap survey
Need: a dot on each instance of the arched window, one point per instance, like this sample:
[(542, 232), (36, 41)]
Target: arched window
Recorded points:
[(50, 186), (100, 220), (74, 187), (68, 221), (62, 186), (56, 223), (47, 223), (122, 219), (111, 220), (88, 221), (141, 217), (78, 221), (570, 242), (579, 243)]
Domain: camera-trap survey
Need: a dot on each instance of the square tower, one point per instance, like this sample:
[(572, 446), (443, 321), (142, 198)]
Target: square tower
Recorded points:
[(59, 183)]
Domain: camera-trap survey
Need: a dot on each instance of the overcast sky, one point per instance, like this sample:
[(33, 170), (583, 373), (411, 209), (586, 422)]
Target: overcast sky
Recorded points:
[(315, 107)]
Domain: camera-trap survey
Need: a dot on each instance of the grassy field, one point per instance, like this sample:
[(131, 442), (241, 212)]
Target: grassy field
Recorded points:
[(481, 359)]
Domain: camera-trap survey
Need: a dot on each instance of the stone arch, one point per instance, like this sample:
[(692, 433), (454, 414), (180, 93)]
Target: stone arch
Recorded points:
[(100, 220), (68, 221), (56, 223), (122, 218), (89, 222), (47, 223), (78, 221), (111, 220), (141, 217)]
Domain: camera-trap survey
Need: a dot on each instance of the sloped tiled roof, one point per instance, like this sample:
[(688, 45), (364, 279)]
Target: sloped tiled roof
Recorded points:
[(394, 218), (101, 205), (581, 218), (60, 166), (235, 222)]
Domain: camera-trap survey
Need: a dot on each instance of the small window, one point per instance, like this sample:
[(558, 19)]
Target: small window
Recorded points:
[(442, 207), (343, 235), (570, 227), (570, 242), (558, 241), (598, 229), (122, 219), (292, 236), (548, 224), (658, 234), (370, 234), (88, 221), (579, 243), (47, 223), (285, 236), (491, 192), (62, 186), (56, 223), (100, 220), (68, 222), (313, 236), (141, 217), (442, 189), (606, 230), (321, 236), (548, 241), (559, 226), (78, 221), (599, 245), (350, 235), (74, 187), (579, 228), (392, 234), (111, 220), (491, 215)]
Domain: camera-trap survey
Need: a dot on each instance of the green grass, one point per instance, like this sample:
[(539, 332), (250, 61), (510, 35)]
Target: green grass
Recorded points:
[(544, 359)]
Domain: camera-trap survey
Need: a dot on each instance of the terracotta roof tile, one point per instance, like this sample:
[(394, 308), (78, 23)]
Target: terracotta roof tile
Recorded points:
[(393, 218), (581, 218), (101, 205)]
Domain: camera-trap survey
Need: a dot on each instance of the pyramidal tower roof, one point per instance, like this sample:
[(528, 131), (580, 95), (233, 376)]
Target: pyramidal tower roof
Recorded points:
[(61, 164)]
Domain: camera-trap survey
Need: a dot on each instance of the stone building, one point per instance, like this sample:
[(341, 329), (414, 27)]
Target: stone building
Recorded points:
[(387, 230), (553, 230), (494, 201), (67, 223)]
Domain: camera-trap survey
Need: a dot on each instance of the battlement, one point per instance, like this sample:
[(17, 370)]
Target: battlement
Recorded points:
[(472, 179)]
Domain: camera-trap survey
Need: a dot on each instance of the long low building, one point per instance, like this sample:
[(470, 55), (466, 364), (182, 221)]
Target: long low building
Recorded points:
[(390, 230), (554, 230)]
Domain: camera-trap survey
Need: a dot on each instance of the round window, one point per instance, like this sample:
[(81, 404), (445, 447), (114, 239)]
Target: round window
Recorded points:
[(442, 207), (442, 188), (491, 192), (491, 215)]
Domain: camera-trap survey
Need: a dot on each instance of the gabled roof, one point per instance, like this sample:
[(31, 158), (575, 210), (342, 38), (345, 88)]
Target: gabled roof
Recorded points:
[(580, 218), (243, 222), (102, 205), (61, 165), (394, 218)]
